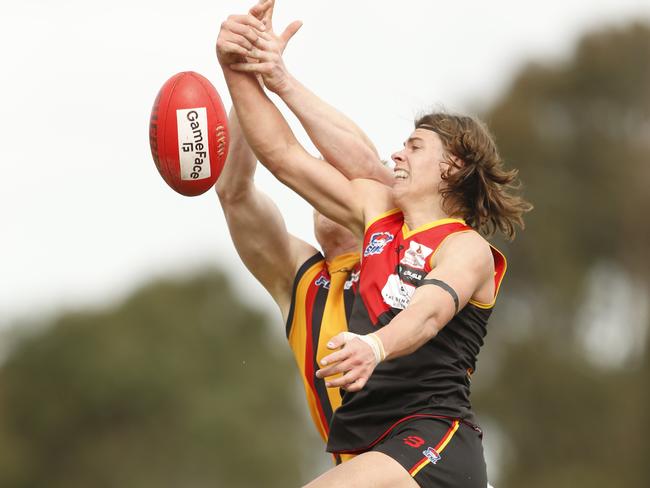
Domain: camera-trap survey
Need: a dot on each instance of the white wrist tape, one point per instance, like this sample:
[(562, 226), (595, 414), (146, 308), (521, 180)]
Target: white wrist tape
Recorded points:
[(372, 340)]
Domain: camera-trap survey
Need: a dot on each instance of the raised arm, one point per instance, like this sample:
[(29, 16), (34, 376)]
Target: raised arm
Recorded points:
[(256, 225), (274, 143), (341, 142)]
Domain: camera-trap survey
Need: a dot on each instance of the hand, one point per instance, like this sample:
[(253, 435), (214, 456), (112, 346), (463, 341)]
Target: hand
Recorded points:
[(237, 35), (356, 359), (267, 17), (265, 59)]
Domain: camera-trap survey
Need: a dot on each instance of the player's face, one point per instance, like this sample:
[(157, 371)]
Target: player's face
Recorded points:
[(419, 166)]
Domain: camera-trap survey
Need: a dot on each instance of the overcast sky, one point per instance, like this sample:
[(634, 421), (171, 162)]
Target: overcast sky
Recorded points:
[(85, 217)]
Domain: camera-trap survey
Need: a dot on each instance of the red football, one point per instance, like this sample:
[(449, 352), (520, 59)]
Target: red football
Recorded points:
[(188, 133)]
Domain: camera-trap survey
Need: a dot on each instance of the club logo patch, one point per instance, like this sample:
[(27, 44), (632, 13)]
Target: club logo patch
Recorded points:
[(378, 241), (432, 455), (416, 255)]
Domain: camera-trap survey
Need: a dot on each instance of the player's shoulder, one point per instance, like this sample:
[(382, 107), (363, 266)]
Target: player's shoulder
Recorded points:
[(467, 245), (302, 255), (301, 252)]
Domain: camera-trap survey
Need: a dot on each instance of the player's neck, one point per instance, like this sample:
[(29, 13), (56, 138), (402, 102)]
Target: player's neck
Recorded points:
[(421, 212), (334, 250)]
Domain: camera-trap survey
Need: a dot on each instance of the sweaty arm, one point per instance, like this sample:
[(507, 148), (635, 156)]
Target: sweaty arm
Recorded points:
[(274, 143), (256, 225), (464, 269)]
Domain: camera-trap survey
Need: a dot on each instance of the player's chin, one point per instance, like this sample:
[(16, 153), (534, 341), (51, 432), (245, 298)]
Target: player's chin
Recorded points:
[(400, 189)]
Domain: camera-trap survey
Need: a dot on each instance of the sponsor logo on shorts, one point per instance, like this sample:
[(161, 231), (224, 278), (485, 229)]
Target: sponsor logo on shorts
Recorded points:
[(378, 241), (432, 455), (193, 148), (414, 441)]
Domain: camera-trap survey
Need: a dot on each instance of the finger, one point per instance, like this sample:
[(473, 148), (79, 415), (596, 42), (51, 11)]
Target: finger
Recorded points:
[(242, 29), (356, 385), (263, 56), (344, 380), (239, 40), (261, 68), (334, 369), (266, 36), (249, 20), (265, 44), (268, 15), (335, 357), (290, 31), (339, 340), (228, 47), (259, 11)]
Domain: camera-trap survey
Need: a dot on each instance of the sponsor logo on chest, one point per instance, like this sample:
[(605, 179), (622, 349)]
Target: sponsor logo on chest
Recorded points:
[(396, 293), (416, 255), (377, 243)]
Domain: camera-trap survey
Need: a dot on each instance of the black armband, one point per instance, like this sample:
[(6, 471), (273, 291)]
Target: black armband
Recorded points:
[(445, 287)]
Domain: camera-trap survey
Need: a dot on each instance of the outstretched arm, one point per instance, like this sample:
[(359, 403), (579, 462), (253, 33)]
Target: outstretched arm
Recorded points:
[(272, 140), (341, 142), (256, 225)]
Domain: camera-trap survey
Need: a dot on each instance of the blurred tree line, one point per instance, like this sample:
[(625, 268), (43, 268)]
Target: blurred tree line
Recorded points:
[(567, 377), (178, 385)]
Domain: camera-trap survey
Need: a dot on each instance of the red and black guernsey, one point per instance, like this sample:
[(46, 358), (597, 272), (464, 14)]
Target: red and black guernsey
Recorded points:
[(435, 379), (321, 304)]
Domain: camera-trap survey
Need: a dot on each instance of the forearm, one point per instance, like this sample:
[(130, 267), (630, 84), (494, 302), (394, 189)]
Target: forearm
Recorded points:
[(410, 330), (236, 178), (276, 147), (341, 142), (267, 133)]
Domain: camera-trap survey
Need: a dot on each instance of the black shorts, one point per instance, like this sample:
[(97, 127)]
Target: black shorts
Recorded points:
[(438, 452)]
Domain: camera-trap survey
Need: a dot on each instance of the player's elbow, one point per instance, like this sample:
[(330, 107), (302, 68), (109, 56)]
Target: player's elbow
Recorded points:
[(231, 194), (368, 166), (279, 160), (432, 325)]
